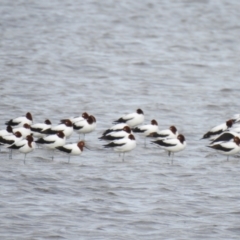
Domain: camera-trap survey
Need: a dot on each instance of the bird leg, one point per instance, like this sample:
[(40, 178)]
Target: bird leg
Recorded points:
[(172, 158), (10, 153), (52, 154), (123, 157)]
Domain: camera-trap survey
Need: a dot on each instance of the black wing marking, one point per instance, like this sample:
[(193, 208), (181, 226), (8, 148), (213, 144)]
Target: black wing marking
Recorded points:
[(224, 137), (122, 120), (10, 122), (106, 132), (42, 141), (206, 135), (76, 127), (112, 144), (164, 144), (111, 130), (5, 141), (36, 129), (138, 130), (221, 148), (110, 138), (49, 131), (156, 135), (15, 146), (209, 134), (63, 149), (103, 137), (216, 133)]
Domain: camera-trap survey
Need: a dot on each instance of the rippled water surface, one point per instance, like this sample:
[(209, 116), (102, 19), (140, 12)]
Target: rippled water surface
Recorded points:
[(176, 60)]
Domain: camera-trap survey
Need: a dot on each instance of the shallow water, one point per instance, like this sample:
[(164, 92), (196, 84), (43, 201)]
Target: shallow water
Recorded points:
[(176, 60)]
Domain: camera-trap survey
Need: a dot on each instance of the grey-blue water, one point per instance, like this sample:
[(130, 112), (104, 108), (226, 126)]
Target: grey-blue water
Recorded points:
[(176, 60)]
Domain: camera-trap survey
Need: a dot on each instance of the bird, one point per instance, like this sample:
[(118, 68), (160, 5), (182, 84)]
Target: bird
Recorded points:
[(37, 128), (66, 126), (146, 129), (25, 130), (11, 139), (115, 128), (20, 121), (227, 148), (122, 145), (132, 119), (117, 134), (72, 148), (167, 133), (218, 130), (172, 145), (85, 126), (225, 136), (85, 115), (24, 146), (52, 141)]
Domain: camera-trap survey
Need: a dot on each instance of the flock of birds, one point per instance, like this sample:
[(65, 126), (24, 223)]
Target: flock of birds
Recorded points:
[(225, 138), (20, 133)]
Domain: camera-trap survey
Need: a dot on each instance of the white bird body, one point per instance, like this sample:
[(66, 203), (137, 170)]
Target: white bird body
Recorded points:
[(24, 145), (38, 128), (122, 145), (20, 121), (129, 145), (166, 133), (115, 128), (132, 119), (11, 139), (172, 145), (147, 129), (227, 148), (66, 127), (77, 118), (72, 148), (53, 141), (216, 131), (225, 137), (115, 135), (85, 126)]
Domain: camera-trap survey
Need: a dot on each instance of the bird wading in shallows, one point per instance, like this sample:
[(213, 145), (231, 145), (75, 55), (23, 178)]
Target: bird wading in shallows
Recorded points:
[(215, 131), (132, 119), (227, 148), (147, 129), (116, 135), (52, 141), (122, 145), (72, 148), (20, 121), (172, 145), (24, 146)]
